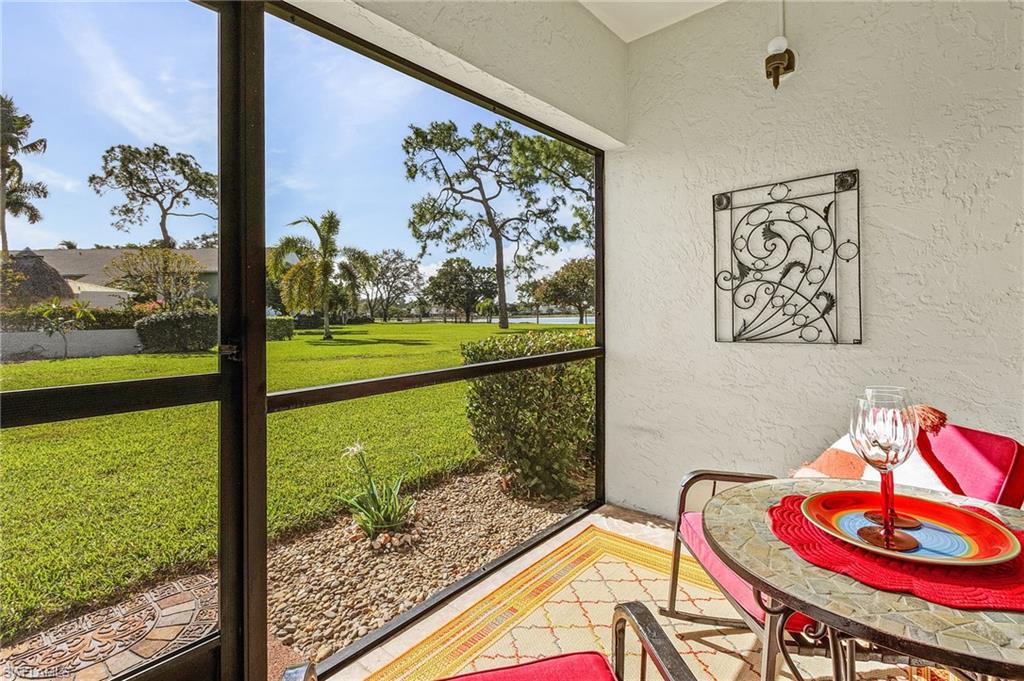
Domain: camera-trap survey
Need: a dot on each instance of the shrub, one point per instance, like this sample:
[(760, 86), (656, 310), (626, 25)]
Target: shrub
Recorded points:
[(148, 308), (380, 507), (280, 328), (29, 319), (537, 423), (179, 331)]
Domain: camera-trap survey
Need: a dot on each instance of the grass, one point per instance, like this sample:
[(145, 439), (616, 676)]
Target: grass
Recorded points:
[(90, 509)]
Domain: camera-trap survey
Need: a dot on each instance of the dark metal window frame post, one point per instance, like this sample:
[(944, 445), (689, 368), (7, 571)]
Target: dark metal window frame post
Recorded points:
[(243, 469)]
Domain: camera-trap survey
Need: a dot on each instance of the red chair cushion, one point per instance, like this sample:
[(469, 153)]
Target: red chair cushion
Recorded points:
[(590, 666), (984, 465), (691, 530)]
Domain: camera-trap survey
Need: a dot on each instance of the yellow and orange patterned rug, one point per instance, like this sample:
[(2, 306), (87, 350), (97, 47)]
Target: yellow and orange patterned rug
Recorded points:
[(563, 603)]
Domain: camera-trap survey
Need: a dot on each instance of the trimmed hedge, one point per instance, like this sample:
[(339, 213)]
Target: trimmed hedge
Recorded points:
[(537, 423), (27, 319), (181, 331), (280, 328)]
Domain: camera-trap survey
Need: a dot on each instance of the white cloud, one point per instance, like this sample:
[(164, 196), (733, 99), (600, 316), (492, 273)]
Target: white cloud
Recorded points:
[(360, 89), (138, 104), (53, 178), (345, 98), (429, 269), (292, 181), (548, 263)]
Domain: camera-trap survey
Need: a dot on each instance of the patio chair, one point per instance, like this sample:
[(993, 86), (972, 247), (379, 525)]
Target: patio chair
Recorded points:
[(974, 463), (655, 645)]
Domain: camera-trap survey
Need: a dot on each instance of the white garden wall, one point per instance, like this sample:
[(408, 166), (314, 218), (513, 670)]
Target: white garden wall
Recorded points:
[(96, 343), (927, 100)]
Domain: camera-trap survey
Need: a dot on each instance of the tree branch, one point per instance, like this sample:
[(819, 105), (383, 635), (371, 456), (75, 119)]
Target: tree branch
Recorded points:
[(193, 215)]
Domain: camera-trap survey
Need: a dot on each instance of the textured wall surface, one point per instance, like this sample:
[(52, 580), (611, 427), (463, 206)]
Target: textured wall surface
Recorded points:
[(927, 100)]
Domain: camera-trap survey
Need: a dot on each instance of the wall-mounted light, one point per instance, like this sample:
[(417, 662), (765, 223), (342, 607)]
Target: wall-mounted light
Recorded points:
[(781, 60)]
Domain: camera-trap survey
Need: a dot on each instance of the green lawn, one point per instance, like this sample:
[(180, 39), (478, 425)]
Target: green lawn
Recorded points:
[(91, 508)]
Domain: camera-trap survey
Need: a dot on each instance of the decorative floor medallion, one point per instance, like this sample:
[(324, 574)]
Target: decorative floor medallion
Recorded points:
[(106, 642)]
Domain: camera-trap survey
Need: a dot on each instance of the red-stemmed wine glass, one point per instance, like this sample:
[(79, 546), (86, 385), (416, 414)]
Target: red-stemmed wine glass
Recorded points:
[(883, 431)]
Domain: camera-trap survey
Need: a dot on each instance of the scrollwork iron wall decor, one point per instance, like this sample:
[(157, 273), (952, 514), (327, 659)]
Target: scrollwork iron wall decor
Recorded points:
[(787, 261)]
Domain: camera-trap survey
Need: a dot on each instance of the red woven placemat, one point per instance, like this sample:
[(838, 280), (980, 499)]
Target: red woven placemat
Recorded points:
[(983, 587)]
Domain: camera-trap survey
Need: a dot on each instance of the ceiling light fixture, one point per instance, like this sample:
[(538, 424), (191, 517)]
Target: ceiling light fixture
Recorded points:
[(781, 61)]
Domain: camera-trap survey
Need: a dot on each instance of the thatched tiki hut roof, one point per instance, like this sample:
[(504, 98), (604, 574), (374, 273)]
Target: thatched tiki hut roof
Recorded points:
[(41, 282)]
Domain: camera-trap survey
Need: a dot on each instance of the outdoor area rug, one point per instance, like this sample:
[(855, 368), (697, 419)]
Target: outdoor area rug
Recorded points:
[(563, 603)]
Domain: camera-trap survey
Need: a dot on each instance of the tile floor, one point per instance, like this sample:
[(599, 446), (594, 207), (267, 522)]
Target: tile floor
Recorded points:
[(639, 526)]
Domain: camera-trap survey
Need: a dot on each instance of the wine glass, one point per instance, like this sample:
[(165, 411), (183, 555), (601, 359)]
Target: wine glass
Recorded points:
[(873, 391), (882, 392), (883, 431)]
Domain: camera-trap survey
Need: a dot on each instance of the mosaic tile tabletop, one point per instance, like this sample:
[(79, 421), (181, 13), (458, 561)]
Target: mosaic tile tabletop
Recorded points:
[(983, 640)]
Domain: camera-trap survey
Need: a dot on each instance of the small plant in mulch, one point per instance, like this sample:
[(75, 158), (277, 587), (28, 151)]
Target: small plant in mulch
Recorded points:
[(380, 510)]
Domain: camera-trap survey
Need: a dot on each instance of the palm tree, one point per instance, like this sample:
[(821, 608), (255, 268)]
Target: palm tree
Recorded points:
[(16, 195), (357, 270), (306, 283), (18, 202)]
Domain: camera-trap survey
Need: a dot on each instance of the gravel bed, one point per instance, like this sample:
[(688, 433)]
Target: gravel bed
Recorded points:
[(330, 587)]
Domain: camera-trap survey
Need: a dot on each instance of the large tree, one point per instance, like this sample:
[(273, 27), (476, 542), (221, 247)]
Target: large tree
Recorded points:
[(528, 291), (16, 195), (306, 283), (573, 285), (154, 178), (567, 170), (481, 199), (356, 270), (394, 277), (204, 240), (162, 274), (458, 285), (343, 301)]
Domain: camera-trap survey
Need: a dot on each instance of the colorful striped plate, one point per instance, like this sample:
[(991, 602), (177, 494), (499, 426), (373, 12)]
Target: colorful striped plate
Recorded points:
[(949, 535)]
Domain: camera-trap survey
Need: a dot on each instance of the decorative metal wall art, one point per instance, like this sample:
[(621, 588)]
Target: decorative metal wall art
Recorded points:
[(787, 261)]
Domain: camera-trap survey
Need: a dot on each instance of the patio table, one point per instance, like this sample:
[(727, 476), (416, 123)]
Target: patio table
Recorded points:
[(973, 642)]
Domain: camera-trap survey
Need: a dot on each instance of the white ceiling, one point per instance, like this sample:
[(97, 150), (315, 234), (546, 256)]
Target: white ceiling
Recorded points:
[(632, 19)]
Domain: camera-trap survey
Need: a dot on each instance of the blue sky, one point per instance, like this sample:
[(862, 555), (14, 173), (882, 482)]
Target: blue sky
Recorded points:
[(97, 74)]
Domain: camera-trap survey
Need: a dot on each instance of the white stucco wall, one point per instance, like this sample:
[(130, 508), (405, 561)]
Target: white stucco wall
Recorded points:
[(24, 345), (927, 100), (553, 61)]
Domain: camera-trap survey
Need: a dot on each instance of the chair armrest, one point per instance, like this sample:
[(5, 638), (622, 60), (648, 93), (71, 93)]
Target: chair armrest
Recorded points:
[(655, 643), (694, 477), (300, 672)]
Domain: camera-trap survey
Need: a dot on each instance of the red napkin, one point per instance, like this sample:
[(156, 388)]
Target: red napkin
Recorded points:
[(980, 587)]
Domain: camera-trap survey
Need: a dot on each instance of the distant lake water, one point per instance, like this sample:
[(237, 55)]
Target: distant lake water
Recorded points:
[(567, 319), (543, 320)]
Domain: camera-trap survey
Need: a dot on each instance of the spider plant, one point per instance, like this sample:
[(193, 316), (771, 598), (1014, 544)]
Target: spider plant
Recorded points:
[(381, 506)]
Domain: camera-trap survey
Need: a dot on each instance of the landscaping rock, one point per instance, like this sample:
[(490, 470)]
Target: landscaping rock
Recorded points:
[(330, 587)]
